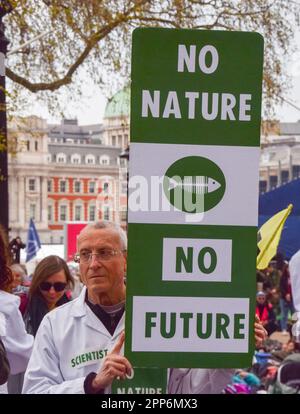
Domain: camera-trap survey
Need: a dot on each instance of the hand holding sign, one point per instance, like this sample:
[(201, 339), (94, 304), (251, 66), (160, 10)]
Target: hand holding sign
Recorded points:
[(114, 366)]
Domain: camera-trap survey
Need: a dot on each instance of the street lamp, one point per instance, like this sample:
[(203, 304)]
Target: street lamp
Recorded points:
[(5, 8)]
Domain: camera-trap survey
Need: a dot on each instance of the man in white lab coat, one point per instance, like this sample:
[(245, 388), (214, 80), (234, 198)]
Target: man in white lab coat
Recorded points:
[(79, 346)]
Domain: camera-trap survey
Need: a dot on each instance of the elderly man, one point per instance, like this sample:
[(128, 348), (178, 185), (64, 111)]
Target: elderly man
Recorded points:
[(78, 347)]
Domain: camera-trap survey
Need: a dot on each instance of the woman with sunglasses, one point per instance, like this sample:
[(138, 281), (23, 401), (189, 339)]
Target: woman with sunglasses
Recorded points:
[(47, 291)]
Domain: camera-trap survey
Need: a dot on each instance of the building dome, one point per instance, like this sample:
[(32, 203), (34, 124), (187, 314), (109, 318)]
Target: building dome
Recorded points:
[(119, 104)]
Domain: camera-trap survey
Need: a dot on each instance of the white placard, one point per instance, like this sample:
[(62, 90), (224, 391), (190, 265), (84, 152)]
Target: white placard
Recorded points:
[(190, 260)]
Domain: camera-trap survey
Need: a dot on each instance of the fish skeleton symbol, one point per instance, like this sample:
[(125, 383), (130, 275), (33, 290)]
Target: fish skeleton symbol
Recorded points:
[(194, 184)]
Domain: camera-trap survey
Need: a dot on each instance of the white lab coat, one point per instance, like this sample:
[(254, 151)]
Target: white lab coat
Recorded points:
[(198, 380), (70, 343), (18, 343), (73, 330)]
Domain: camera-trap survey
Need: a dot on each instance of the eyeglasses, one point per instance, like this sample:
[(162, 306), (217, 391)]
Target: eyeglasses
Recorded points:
[(102, 254), (58, 286)]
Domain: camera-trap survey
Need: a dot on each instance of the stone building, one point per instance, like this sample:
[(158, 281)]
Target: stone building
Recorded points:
[(67, 172), (28, 172), (280, 154)]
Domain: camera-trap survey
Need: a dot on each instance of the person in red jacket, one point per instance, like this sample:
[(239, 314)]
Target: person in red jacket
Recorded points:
[(264, 310)]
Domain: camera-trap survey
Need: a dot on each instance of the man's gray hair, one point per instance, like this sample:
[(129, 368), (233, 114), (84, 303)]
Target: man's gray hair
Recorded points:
[(105, 224)]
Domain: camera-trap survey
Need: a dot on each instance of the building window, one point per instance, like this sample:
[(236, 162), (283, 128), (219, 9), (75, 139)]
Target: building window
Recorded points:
[(75, 159), (31, 184), (284, 177), (273, 182), (36, 145), (105, 188), (296, 171), (90, 159), (49, 213), (28, 145), (61, 158), (62, 186), (262, 186), (104, 160), (78, 213), (92, 213), (123, 215), (92, 187), (119, 140), (63, 213), (49, 186), (122, 162), (77, 186), (32, 211), (124, 187), (106, 214), (113, 140)]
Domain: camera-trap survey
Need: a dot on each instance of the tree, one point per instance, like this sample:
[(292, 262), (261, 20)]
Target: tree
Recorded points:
[(75, 39)]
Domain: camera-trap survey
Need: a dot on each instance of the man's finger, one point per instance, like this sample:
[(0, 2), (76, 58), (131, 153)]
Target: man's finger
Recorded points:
[(118, 346)]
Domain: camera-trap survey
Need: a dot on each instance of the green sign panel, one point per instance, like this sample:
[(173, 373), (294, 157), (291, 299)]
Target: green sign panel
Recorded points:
[(193, 198)]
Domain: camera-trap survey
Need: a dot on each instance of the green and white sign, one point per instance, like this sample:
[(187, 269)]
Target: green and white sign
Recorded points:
[(193, 198)]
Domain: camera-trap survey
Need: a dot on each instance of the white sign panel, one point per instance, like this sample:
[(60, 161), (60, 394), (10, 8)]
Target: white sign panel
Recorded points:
[(206, 260), (181, 324)]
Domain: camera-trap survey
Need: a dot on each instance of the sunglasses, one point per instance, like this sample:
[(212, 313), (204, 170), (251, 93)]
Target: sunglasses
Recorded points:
[(58, 286)]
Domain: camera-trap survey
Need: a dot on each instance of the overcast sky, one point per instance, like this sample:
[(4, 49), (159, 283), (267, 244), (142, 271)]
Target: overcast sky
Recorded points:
[(286, 112), (95, 104)]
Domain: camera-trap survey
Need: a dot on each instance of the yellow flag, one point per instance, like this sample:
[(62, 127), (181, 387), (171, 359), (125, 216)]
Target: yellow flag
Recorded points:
[(269, 236)]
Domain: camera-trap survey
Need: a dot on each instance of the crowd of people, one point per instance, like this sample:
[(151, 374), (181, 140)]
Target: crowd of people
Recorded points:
[(274, 300), (64, 334)]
